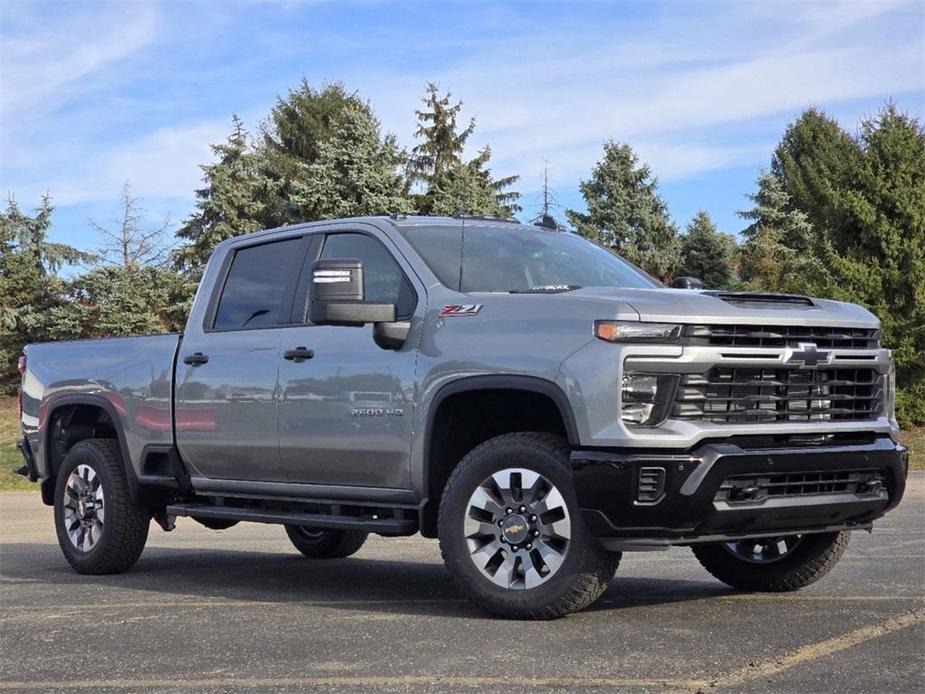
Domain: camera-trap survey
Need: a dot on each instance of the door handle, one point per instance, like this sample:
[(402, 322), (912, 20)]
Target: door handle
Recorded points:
[(299, 354), (196, 359)]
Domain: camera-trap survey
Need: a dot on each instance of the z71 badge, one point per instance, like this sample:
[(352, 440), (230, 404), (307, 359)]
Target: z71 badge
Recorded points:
[(460, 310)]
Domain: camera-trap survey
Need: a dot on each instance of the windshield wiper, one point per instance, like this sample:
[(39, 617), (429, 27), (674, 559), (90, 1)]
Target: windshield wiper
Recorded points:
[(547, 289)]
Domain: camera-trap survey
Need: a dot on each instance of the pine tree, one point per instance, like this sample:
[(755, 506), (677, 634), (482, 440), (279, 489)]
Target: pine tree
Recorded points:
[(453, 185), (229, 205), (356, 172), (707, 253), (779, 249), (291, 141), (626, 214), (814, 161)]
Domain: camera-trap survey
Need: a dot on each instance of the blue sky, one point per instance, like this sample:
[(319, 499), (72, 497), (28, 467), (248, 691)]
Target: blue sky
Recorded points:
[(94, 94)]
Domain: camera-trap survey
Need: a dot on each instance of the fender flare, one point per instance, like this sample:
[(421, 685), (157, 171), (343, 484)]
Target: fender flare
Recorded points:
[(105, 405)]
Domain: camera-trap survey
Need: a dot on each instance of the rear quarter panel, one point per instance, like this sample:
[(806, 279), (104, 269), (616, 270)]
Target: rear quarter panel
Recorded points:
[(132, 376)]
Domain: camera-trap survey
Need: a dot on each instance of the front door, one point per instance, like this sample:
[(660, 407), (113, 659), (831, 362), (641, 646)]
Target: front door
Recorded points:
[(345, 414), (227, 389)]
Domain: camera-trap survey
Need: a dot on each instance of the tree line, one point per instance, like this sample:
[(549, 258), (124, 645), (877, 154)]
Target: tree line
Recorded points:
[(837, 214)]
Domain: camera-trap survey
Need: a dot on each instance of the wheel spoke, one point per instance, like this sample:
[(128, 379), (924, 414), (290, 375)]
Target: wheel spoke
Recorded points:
[(504, 576)]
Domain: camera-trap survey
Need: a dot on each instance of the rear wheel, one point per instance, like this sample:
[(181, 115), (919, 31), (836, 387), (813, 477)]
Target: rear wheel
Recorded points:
[(511, 531), (775, 564), (99, 529), (318, 543)]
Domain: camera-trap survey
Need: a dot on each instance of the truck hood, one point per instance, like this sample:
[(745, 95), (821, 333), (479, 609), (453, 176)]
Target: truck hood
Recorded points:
[(699, 306)]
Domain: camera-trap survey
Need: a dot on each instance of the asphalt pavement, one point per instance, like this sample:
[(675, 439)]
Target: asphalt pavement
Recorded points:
[(240, 610)]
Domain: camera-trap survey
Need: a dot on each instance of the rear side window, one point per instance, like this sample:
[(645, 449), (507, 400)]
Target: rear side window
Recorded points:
[(256, 286)]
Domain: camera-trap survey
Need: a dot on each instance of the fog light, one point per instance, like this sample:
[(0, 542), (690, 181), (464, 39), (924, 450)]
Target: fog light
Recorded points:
[(646, 398)]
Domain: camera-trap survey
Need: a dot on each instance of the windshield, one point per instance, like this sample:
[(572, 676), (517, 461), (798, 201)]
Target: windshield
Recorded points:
[(519, 259)]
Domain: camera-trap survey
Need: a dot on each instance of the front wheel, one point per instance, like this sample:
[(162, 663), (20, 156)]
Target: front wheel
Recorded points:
[(773, 564), (511, 531)]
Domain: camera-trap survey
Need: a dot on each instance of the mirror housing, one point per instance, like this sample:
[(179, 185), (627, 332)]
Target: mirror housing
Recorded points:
[(338, 297), (687, 283)]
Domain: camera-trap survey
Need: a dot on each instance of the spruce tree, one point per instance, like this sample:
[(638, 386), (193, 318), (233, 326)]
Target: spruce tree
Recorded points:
[(229, 205), (626, 214), (451, 184), (291, 140), (879, 252), (707, 253), (29, 286), (814, 161), (356, 172), (778, 253)]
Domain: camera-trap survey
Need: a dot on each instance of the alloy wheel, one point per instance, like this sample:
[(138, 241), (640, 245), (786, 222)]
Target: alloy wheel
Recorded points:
[(517, 528), (84, 508)]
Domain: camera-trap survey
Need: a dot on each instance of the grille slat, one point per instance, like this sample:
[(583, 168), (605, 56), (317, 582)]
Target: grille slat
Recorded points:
[(782, 336), (754, 488), (733, 394)]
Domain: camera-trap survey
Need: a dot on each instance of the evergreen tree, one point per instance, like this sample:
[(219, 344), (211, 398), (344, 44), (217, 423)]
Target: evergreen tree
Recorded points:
[(879, 251), (29, 287), (292, 139), (779, 250), (626, 214), (229, 205), (814, 161), (356, 172), (452, 184), (707, 253)]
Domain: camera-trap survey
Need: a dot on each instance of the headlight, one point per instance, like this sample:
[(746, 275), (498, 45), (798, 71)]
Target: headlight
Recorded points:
[(646, 398), (635, 331)]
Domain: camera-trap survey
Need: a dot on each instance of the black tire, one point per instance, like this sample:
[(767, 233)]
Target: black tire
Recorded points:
[(810, 560), (124, 525), (585, 570), (316, 543)]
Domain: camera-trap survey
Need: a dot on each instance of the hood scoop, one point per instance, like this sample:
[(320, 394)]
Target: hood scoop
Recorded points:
[(763, 299)]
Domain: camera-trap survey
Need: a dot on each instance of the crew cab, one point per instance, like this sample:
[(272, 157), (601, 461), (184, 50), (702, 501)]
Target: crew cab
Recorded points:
[(529, 398)]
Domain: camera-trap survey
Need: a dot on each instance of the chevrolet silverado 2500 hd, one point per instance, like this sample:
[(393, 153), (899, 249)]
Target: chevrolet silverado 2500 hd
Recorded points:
[(534, 401)]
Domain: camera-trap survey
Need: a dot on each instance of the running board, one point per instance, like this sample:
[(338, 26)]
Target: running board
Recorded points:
[(384, 525)]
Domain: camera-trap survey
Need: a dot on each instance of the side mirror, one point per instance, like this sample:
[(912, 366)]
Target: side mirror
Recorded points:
[(338, 297), (687, 283)]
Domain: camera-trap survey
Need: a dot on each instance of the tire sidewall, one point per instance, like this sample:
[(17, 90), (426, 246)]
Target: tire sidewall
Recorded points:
[(475, 468), (82, 454)]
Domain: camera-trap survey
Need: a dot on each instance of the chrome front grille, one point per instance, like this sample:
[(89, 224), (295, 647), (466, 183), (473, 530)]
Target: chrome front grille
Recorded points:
[(756, 487), (744, 395), (782, 336)]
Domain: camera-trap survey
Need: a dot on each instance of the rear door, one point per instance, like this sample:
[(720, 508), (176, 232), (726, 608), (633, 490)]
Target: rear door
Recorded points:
[(227, 392), (346, 413)]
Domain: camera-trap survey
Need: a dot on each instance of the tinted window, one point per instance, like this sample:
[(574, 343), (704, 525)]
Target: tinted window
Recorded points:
[(514, 258), (383, 278), (256, 284)]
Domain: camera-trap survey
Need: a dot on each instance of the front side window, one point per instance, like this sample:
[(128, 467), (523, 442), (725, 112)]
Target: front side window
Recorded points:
[(256, 286), (383, 278)]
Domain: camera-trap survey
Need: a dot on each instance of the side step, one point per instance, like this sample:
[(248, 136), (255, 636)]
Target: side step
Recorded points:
[(384, 525)]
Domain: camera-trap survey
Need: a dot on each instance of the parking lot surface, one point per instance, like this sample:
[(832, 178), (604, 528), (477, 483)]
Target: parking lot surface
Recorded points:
[(241, 610)]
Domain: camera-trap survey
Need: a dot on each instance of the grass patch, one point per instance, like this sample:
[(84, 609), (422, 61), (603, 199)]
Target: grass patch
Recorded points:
[(10, 457), (915, 440)]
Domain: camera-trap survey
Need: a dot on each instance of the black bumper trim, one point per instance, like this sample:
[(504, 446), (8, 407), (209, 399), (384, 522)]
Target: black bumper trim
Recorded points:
[(606, 483)]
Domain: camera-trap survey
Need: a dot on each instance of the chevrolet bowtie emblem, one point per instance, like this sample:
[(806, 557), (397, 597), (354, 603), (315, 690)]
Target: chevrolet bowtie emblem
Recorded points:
[(808, 356), (514, 529)]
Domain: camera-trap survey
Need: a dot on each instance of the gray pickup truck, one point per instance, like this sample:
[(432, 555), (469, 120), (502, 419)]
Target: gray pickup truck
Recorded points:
[(530, 399)]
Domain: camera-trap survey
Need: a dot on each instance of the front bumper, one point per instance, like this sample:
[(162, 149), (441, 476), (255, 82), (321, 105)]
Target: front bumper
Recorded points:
[(29, 468), (688, 508)]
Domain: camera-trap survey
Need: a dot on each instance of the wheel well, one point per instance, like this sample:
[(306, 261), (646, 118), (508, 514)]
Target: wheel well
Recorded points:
[(68, 425), (464, 420)]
